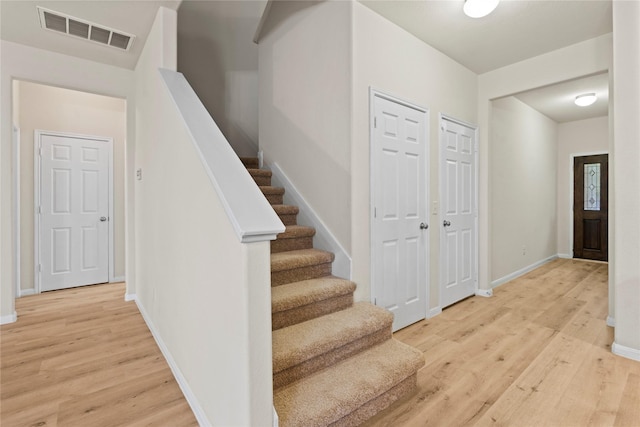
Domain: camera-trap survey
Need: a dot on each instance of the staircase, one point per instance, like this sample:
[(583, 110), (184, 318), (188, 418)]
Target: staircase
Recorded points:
[(335, 363)]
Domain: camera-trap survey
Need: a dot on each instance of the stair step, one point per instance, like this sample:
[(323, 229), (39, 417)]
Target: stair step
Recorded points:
[(303, 264), (352, 391), (301, 301), (295, 237), (261, 176), (273, 194), (288, 214), (308, 347), (250, 162)]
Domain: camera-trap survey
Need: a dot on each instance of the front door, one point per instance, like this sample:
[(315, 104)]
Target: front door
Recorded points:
[(399, 193), (591, 207), (458, 232), (74, 211)]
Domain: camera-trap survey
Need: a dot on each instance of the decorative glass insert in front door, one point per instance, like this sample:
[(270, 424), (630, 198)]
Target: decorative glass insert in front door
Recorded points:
[(592, 187)]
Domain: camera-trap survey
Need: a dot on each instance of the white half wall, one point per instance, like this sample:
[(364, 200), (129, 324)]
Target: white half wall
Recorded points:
[(26, 63), (579, 138), (523, 183)]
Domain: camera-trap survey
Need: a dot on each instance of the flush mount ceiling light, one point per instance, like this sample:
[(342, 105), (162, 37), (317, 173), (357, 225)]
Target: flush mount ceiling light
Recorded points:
[(479, 8), (585, 99)]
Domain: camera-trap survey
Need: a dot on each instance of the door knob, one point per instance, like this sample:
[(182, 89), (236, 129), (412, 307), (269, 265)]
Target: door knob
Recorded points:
[(423, 226), (103, 218), (446, 223)]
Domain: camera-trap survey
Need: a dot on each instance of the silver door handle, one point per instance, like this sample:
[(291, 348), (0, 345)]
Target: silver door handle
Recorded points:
[(103, 218), (446, 223), (423, 226)]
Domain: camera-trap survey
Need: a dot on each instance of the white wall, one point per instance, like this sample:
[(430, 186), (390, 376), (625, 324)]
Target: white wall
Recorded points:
[(579, 60), (216, 53), (305, 102), (626, 187), (581, 137), (62, 110), (523, 184), (26, 63), (205, 294), (393, 61)]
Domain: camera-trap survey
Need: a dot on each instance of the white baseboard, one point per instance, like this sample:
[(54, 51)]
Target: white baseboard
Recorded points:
[(276, 420), (323, 239), (10, 318), (433, 312), (522, 271), (26, 292), (611, 321), (487, 293), (181, 380), (130, 297), (118, 279), (565, 256), (624, 351)]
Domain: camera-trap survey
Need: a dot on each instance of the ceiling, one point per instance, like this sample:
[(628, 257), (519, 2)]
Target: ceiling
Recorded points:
[(516, 30), (19, 23)]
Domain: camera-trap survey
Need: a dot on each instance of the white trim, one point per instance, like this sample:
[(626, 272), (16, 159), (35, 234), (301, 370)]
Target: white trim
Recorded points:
[(16, 210), (572, 157), (522, 271), (565, 256), (624, 351), (10, 318), (37, 135), (276, 420), (130, 297), (373, 93), (433, 312), (486, 293), (117, 279), (252, 217), (324, 238), (476, 159), (611, 321), (26, 292), (198, 412)]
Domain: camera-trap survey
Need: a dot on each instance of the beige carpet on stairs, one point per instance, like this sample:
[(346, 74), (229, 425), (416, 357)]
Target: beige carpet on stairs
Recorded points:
[(335, 363)]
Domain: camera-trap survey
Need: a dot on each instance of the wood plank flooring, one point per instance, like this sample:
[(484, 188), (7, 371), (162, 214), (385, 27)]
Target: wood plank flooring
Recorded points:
[(538, 353), (84, 357)]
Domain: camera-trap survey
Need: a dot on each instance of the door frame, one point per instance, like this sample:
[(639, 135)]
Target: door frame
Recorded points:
[(476, 151), (37, 134), (572, 157), (16, 210), (373, 93)]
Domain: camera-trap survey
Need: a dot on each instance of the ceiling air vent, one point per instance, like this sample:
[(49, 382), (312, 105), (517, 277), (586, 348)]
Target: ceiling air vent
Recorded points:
[(61, 23)]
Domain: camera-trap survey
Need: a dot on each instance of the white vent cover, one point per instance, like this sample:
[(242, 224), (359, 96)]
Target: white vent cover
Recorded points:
[(65, 24)]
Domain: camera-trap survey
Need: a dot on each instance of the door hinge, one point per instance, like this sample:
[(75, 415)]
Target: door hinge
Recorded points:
[(375, 301), (40, 151), (39, 209), (375, 212), (39, 267), (375, 122)]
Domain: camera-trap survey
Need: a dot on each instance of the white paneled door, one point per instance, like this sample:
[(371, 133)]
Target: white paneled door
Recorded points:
[(458, 236), (399, 192), (74, 211)]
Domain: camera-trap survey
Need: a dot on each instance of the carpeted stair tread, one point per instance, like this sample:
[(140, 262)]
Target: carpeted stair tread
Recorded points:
[(261, 176), (288, 214), (250, 162), (298, 343), (268, 189), (301, 258), (296, 231), (297, 294), (332, 394)]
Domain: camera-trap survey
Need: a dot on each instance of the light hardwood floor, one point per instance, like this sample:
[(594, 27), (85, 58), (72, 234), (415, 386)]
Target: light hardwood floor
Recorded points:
[(538, 353), (84, 357)]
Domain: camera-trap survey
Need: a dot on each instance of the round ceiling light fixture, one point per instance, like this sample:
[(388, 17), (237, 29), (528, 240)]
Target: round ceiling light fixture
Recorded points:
[(479, 8), (586, 99)]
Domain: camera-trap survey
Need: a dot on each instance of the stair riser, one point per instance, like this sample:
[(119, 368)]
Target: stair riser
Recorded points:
[(301, 314), (289, 219), (298, 274), (378, 404), (308, 367), (262, 180), (274, 199), (250, 162), (283, 245)]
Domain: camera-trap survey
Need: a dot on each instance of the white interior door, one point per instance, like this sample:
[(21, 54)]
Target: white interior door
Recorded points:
[(399, 193), (74, 211), (458, 237)]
